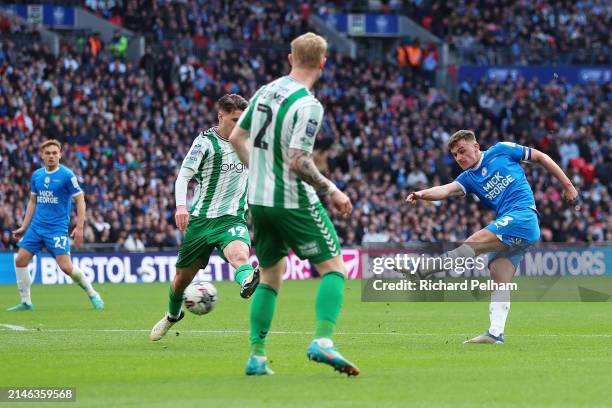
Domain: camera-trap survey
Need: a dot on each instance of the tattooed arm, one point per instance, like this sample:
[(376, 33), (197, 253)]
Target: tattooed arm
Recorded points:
[(302, 164), (308, 121)]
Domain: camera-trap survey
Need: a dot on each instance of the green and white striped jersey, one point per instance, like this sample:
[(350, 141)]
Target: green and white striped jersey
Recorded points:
[(281, 115), (221, 176)]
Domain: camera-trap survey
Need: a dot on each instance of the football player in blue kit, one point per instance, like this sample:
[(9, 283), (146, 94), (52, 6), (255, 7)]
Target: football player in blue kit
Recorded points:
[(46, 224), (498, 180)]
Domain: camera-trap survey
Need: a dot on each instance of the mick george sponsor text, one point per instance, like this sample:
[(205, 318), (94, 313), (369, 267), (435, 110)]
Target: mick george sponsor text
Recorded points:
[(470, 284)]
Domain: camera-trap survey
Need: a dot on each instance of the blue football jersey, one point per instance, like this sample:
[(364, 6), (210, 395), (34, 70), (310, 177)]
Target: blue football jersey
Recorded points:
[(498, 180), (54, 191)]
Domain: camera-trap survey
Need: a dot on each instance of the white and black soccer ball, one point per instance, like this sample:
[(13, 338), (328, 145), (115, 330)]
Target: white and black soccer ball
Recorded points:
[(200, 297)]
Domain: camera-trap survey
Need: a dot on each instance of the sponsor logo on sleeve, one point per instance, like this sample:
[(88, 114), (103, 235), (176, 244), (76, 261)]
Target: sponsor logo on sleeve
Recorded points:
[(311, 127), (195, 149)]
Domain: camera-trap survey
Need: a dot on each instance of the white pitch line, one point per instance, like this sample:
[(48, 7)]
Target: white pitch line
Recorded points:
[(231, 332), (13, 327)]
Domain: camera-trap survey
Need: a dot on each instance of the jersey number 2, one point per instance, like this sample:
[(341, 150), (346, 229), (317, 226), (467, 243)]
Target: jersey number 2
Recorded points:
[(258, 142)]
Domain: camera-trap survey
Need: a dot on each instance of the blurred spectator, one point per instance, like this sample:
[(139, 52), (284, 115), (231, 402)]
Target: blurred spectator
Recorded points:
[(118, 45), (95, 45), (568, 152), (415, 54), (133, 243)]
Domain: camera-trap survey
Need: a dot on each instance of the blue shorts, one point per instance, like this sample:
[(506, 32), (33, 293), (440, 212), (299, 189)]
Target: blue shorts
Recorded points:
[(56, 242), (519, 229)]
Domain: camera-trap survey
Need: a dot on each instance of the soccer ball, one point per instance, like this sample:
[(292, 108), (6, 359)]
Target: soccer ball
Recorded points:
[(200, 297)]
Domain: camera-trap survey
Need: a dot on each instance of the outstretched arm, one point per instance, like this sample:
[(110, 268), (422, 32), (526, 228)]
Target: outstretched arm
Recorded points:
[(239, 138), (569, 192), (436, 193)]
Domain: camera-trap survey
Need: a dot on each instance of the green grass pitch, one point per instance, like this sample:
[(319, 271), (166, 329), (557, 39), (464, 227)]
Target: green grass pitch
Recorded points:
[(410, 354)]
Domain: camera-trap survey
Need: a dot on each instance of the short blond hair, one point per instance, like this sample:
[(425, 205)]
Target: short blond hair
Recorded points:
[(308, 50), (460, 135), (50, 142)]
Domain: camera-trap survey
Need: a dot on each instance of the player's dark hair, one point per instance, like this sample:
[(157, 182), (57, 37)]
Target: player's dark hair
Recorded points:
[(459, 135), (232, 102), (50, 142)]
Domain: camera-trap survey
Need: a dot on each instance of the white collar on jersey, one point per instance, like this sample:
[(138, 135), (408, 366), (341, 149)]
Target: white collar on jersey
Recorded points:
[(295, 80), (215, 130), (51, 172), (310, 91), (477, 166)]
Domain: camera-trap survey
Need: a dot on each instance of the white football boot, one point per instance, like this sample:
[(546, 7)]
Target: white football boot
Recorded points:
[(161, 328)]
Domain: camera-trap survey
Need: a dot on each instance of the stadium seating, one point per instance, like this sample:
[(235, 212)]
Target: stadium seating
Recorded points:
[(126, 128), (520, 32)]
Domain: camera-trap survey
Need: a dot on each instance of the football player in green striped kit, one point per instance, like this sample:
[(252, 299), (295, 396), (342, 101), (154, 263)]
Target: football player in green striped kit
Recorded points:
[(217, 218), (282, 122)]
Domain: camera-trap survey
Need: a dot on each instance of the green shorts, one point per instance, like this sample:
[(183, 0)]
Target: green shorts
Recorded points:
[(308, 231), (203, 235)]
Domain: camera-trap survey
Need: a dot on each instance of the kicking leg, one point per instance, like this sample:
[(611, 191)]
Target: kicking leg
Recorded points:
[(24, 281), (480, 242), (327, 306), (237, 254), (182, 279), (65, 264), (262, 313)]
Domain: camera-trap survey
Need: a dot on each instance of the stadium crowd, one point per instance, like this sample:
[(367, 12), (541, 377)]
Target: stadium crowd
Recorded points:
[(486, 32), (205, 24), (126, 127), (521, 32)]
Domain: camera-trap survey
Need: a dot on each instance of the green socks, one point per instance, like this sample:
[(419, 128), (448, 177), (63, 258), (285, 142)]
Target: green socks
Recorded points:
[(262, 311), (328, 304), (242, 272), (174, 303)]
